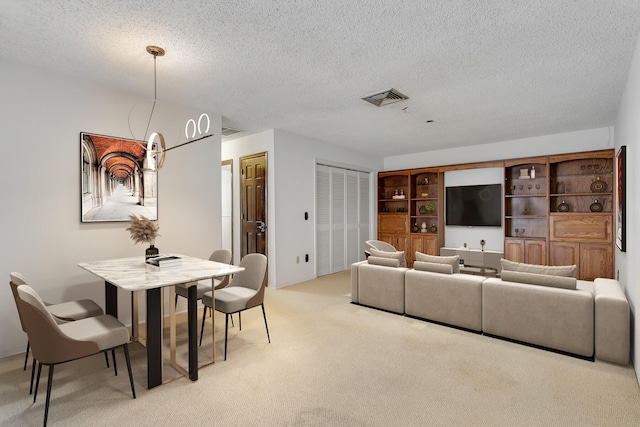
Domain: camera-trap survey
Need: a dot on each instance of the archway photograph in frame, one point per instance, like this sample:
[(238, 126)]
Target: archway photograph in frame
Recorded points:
[(118, 178)]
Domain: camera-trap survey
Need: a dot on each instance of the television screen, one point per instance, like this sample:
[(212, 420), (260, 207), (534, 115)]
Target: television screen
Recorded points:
[(474, 205)]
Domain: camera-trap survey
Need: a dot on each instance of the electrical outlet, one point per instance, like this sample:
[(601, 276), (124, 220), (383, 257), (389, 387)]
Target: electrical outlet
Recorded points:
[(297, 260)]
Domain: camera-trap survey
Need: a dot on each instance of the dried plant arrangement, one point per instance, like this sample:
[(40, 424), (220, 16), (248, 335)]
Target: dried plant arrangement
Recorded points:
[(143, 230)]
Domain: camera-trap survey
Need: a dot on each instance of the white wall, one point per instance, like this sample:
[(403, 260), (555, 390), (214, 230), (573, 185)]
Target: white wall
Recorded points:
[(42, 115), (295, 165), (233, 150), (291, 175), (457, 236), (569, 142), (628, 263)]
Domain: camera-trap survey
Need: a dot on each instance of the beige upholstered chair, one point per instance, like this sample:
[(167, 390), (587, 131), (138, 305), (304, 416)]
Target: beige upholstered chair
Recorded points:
[(54, 343), (220, 255), (380, 245), (245, 291), (62, 313)]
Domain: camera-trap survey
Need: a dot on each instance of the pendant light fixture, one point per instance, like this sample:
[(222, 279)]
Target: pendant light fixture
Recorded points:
[(157, 149)]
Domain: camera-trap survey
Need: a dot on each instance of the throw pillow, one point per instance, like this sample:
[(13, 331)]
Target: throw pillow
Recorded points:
[(387, 262), (562, 270), (540, 279), (393, 255), (453, 261), (433, 267)]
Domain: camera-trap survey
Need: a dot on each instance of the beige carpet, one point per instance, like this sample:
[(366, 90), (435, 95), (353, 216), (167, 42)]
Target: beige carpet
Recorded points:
[(332, 363)]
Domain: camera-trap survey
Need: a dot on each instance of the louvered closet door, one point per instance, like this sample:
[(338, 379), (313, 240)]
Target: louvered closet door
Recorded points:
[(323, 220), (342, 218), (364, 211), (353, 230), (337, 220)]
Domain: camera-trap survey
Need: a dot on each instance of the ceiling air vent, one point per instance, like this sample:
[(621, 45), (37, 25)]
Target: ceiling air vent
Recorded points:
[(227, 131), (387, 97)]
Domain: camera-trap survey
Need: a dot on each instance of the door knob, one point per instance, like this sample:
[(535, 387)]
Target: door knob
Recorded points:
[(261, 226)]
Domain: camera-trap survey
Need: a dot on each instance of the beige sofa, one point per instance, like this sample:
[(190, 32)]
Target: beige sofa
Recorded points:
[(540, 305), (435, 290)]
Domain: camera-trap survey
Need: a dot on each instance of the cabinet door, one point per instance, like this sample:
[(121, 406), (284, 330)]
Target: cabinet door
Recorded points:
[(596, 260), (430, 244), (514, 250), (535, 252), (416, 246), (564, 253)]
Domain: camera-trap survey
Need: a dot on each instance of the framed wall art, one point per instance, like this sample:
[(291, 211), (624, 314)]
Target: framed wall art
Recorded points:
[(621, 220), (118, 177)]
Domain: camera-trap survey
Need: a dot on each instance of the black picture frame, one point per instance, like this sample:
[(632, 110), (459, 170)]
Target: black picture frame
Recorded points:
[(621, 188), (117, 178)]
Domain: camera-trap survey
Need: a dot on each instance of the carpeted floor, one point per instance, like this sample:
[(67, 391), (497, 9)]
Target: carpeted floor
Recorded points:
[(332, 363)]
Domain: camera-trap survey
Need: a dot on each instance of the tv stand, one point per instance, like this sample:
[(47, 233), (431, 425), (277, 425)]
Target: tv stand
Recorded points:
[(476, 258)]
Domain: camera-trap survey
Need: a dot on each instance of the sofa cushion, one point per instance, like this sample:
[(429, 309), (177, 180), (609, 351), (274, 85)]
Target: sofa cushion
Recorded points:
[(434, 267), (539, 279), (399, 255), (388, 262), (453, 261), (563, 270)]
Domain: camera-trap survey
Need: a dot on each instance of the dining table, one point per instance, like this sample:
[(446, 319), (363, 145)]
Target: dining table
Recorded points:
[(133, 274)]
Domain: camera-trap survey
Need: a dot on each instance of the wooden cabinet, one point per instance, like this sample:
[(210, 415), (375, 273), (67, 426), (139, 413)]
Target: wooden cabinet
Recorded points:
[(593, 259), (526, 207), (558, 210), (427, 244), (410, 210), (581, 213), (530, 251)]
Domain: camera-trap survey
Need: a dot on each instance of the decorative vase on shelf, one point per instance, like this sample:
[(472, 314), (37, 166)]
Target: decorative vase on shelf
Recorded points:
[(151, 252)]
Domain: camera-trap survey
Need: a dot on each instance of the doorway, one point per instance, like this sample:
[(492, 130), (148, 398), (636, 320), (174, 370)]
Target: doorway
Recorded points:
[(253, 204), (227, 205)]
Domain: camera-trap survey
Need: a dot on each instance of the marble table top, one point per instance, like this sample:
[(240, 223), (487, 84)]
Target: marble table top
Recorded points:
[(133, 274)]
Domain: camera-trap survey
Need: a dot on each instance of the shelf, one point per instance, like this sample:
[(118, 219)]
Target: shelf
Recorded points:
[(510, 196), (526, 217), (592, 195)]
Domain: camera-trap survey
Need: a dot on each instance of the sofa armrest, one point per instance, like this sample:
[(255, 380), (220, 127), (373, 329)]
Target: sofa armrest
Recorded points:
[(354, 281), (612, 322)]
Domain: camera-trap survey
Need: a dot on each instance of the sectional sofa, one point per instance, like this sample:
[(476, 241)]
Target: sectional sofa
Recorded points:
[(540, 305)]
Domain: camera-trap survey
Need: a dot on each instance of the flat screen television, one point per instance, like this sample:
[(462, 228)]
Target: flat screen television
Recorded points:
[(474, 205)]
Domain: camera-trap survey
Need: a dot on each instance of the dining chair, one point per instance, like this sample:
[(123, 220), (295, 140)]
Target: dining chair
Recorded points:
[(62, 313), (219, 255), (244, 291), (53, 343)]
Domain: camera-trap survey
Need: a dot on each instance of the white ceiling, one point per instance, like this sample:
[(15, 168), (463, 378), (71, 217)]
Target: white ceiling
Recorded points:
[(484, 71)]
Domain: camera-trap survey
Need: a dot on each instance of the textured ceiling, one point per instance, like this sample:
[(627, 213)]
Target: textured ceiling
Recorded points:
[(484, 71)]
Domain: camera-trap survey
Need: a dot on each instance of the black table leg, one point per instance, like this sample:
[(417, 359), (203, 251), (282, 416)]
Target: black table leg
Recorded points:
[(192, 314), (111, 299), (154, 338)]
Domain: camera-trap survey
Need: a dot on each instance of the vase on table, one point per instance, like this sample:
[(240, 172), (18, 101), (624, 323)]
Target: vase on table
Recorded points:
[(151, 252)]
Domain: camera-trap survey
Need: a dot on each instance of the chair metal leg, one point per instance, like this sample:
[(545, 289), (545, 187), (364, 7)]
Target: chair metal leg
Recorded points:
[(232, 325), (113, 356), (49, 383), (226, 333), (35, 392), (202, 327), (265, 322), (106, 357), (176, 304), (33, 373), (26, 356), (240, 319), (126, 357)]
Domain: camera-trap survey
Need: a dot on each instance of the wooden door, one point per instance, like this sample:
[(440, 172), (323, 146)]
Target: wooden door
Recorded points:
[(564, 253), (535, 252), (514, 250), (596, 260), (253, 204)]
